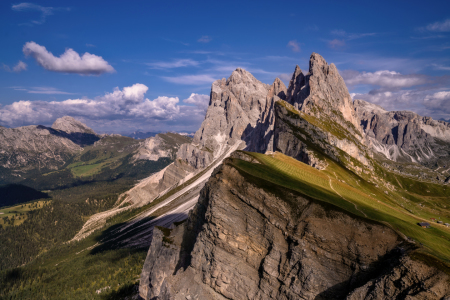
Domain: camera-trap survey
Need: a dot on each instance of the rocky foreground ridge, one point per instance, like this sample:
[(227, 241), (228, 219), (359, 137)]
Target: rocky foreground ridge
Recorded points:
[(245, 240)]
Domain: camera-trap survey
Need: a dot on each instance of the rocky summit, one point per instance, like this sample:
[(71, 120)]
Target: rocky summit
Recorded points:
[(309, 195)]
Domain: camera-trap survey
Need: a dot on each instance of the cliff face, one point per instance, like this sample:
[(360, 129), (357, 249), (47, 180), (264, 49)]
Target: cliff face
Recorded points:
[(322, 91), (249, 240), (306, 137), (404, 135), (240, 114), (241, 108)]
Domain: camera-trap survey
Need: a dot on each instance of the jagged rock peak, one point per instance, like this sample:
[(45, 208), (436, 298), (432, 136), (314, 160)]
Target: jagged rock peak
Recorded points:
[(278, 89), (70, 125), (322, 88), (298, 89), (235, 107)]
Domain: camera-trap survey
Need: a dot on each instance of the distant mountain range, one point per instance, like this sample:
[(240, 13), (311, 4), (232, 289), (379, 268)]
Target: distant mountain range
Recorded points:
[(73, 151), (139, 135)]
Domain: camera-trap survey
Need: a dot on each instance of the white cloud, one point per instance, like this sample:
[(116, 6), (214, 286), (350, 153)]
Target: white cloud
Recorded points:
[(441, 67), (204, 39), (69, 62), (384, 78), (445, 95), (423, 102), (336, 43), (21, 66), (47, 91), (173, 64), (198, 100), (443, 26), (286, 77), (191, 79), (294, 45), (45, 11), (439, 102), (115, 111)]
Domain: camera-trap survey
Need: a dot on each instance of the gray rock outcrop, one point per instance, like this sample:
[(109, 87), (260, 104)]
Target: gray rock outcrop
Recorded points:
[(322, 91), (70, 125), (34, 147), (403, 135), (241, 108), (243, 242)]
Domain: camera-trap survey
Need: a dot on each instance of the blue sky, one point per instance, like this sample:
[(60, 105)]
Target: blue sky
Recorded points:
[(150, 64)]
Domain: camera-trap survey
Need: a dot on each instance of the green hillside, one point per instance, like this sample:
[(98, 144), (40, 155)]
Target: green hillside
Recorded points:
[(401, 210)]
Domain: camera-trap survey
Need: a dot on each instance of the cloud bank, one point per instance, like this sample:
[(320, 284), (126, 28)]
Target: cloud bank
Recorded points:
[(117, 111), (425, 95), (384, 78), (69, 62)]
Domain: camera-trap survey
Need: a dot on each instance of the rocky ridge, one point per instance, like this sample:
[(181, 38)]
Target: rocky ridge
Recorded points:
[(242, 241), (405, 136)]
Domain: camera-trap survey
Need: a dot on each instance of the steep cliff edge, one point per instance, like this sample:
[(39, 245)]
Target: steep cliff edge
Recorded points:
[(323, 91), (248, 238)]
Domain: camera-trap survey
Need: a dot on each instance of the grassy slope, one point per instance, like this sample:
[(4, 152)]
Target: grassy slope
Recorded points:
[(19, 212), (348, 191)]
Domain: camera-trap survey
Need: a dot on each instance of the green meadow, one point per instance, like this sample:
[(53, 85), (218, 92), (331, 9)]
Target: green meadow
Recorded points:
[(400, 210)]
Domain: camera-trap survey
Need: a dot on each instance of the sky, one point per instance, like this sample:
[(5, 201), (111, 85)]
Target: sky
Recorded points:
[(123, 66)]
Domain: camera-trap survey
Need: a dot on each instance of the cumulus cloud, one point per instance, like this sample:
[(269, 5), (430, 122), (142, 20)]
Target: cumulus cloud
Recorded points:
[(173, 64), (438, 101), (199, 100), (21, 66), (294, 45), (443, 26), (69, 62), (44, 11), (204, 39), (114, 111), (384, 79)]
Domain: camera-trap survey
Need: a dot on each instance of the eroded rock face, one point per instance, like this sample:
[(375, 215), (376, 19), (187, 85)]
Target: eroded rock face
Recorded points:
[(30, 147), (322, 91), (70, 125), (239, 109), (404, 135), (409, 280), (296, 137), (243, 242)]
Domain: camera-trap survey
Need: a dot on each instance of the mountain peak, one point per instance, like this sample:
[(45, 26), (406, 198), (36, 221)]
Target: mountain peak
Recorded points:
[(70, 125), (241, 76)]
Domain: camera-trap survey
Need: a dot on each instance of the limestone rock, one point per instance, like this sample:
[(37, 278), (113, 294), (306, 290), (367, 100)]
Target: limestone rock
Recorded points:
[(236, 106), (322, 91), (299, 135), (243, 242), (404, 135), (30, 147), (70, 125)]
